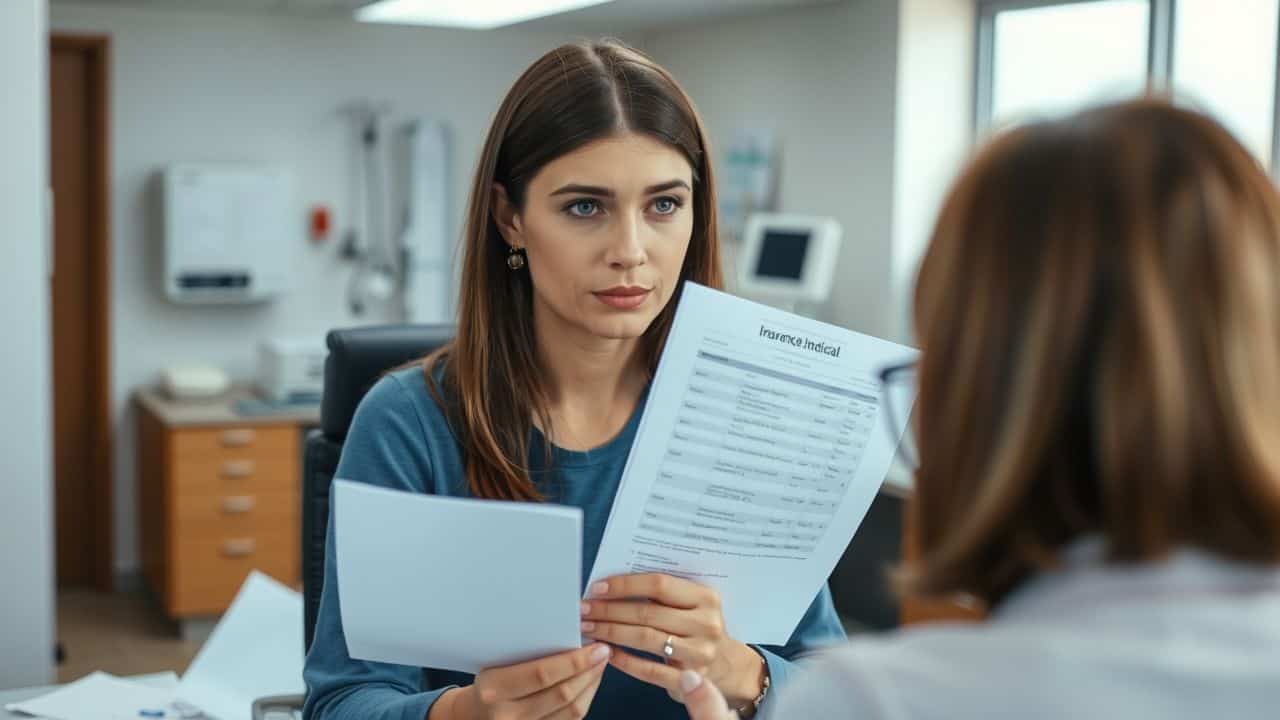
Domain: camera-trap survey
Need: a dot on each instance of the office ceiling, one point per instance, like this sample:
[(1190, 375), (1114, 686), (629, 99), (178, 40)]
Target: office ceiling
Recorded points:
[(616, 16)]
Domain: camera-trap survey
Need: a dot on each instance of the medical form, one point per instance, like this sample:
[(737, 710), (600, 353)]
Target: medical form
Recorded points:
[(761, 448)]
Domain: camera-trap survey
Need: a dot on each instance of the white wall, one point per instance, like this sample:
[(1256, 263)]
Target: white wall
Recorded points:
[(823, 79), (261, 88), (195, 87), (934, 130), (26, 491)]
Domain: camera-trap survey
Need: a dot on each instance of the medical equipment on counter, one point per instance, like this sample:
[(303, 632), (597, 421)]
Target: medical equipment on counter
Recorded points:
[(194, 382), (291, 370)]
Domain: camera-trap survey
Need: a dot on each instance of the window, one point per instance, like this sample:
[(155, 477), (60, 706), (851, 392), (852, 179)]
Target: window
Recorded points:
[(1224, 63), (1047, 57), (1058, 58)]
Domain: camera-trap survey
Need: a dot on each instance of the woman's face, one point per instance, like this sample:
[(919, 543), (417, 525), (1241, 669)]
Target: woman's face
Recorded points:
[(605, 228)]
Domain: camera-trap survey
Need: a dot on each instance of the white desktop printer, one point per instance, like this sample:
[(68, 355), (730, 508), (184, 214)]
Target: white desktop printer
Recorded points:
[(291, 370)]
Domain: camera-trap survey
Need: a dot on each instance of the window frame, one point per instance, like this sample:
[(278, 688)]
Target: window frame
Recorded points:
[(1160, 34), (1159, 48)]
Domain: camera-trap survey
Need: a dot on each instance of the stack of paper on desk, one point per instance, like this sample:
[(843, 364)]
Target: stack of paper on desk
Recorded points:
[(255, 651), (100, 696)]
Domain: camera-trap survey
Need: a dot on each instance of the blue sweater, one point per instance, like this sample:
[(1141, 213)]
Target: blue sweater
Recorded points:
[(400, 439)]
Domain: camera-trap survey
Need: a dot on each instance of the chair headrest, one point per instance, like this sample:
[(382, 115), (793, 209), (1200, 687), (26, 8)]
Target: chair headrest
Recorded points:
[(359, 356)]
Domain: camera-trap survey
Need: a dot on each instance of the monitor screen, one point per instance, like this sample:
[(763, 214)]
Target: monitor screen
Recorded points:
[(782, 255)]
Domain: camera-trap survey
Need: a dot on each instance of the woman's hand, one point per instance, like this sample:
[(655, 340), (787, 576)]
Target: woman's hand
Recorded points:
[(641, 612), (556, 687), (702, 699)]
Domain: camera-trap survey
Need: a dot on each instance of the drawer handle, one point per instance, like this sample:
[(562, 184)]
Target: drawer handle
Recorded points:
[(237, 505), (237, 438), (243, 547), (237, 469)]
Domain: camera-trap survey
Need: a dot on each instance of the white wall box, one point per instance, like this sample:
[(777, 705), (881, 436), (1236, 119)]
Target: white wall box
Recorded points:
[(228, 233)]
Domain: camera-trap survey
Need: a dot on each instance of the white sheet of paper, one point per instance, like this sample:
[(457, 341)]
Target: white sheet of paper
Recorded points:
[(760, 450), (98, 696), (255, 651), (163, 680), (455, 584)]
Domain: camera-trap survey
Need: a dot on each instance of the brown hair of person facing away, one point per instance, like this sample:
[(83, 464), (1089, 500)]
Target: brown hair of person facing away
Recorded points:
[(491, 386), (1099, 321)]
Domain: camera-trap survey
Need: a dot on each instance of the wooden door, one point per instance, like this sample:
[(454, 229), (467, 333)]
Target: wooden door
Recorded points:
[(80, 349)]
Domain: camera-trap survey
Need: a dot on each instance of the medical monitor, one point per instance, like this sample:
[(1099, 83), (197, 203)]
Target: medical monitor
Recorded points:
[(789, 257)]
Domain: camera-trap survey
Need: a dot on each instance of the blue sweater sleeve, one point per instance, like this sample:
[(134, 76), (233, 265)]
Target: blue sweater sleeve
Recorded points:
[(385, 446), (820, 627)]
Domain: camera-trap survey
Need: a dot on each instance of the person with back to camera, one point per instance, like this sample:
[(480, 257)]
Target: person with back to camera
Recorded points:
[(593, 202), (1097, 434)]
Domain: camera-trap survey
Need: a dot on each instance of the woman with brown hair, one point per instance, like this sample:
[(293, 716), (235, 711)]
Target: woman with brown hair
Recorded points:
[(592, 203), (1098, 437)]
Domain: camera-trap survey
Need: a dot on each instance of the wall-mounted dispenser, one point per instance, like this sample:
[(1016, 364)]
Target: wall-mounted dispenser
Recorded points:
[(229, 233)]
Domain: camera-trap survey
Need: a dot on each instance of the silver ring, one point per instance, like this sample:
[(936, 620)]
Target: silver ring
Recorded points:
[(669, 647)]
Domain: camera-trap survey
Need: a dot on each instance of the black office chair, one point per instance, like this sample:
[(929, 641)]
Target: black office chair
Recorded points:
[(357, 358)]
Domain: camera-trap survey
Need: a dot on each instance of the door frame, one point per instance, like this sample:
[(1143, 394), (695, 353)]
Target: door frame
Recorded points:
[(97, 48)]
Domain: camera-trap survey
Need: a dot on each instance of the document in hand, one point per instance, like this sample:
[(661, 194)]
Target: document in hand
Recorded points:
[(761, 447), (455, 584)]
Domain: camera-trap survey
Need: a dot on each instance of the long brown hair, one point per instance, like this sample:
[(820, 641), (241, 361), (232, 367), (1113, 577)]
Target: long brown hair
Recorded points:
[(492, 386), (1099, 318)]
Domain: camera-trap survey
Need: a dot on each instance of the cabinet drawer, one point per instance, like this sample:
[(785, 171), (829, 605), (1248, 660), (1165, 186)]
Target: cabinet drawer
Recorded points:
[(201, 516), (207, 572), (235, 475), (236, 442)]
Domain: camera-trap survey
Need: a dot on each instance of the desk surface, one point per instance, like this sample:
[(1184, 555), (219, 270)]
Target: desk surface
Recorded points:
[(18, 695), (219, 411), (13, 696)]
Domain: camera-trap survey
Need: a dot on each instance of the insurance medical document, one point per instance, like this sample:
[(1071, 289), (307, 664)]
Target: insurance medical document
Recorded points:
[(761, 447), (455, 584)]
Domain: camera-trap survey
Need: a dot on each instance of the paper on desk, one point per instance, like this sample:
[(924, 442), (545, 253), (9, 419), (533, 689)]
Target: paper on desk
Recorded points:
[(760, 450), (255, 651), (98, 696), (455, 584), (162, 680)]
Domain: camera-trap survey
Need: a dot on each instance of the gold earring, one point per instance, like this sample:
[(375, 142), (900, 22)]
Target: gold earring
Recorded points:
[(515, 258)]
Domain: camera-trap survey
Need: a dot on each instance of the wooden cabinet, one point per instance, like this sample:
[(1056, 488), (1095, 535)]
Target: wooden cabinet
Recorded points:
[(218, 496)]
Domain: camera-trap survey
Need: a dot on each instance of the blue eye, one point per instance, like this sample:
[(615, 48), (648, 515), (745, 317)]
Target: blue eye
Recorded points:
[(583, 208), (666, 205)]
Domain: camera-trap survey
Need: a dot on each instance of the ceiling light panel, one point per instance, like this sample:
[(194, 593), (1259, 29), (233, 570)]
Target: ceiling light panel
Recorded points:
[(471, 14)]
